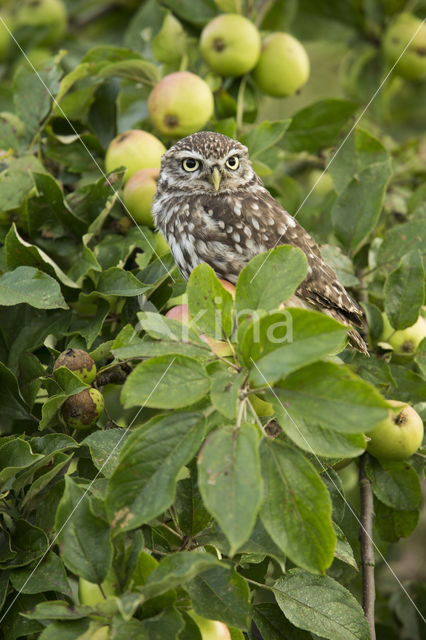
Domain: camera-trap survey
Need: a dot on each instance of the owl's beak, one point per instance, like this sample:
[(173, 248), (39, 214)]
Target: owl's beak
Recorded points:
[(216, 178)]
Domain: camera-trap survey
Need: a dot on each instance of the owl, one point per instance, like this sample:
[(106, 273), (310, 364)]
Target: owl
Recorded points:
[(212, 207)]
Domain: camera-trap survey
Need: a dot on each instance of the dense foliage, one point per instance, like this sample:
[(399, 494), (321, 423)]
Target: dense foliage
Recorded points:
[(189, 493)]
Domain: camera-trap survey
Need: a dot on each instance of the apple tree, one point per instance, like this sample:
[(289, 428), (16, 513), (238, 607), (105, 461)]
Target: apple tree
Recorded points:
[(195, 460)]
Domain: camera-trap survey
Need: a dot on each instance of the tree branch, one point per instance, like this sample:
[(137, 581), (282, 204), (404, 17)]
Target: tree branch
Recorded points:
[(367, 550)]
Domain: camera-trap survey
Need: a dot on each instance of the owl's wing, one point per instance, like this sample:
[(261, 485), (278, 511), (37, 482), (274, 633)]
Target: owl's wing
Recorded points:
[(321, 287)]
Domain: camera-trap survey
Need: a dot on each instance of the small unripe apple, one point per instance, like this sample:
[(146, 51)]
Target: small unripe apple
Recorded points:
[(82, 410), (404, 341), (230, 44), (210, 629), (319, 182), (399, 435), (48, 14), (180, 104), (135, 150), (412, 64), (90, 594), (283, 65), (79, 362), (160, 245), (139, 193)]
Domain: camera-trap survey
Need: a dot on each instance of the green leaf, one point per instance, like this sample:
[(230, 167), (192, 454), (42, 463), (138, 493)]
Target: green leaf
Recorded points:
[(332, 396), (263, 136), (118, 282), (143, 484), (270, 278), (176, 569), (360, 151), (282, 342), (168, 624), (210, 304), (14, 456), (58, 462), (28, 542), (400, 239), (170, 43), (343, 550), (396, 484), (393, 524), (86, 547), (198, 14), (230, 481), (409, 386), (318, 126), (57, 610), (260, 543), (50, 205), (138, 70), (221, 594), (105, 447), (19, 252), (16, 182), (321, 605), (66, 630), (404, 291), (296, 511), (341, 263), (166, 382), (224, 394), (316, 439), (356, 211), (192, 516), (149, 348), (420, 357), (32, 95), (49, 575), (273, 625), (31, 286)]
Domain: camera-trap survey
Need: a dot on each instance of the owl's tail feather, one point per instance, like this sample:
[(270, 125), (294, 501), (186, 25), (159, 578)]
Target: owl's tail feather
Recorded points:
[(357, 342)]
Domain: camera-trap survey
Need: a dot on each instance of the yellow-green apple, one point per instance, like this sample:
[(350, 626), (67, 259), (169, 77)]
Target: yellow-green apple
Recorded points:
[(48, 14), (180, 104), (160, 244), (404, 341), (399, 435), (319, 182), (135, 150), (82, 410), (139, 193), (230, 44), (412, 59), (210, 629), (283, 65), (79, 362), (180, 313)]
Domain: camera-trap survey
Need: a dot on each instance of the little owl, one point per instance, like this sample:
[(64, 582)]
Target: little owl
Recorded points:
[(212, 207)]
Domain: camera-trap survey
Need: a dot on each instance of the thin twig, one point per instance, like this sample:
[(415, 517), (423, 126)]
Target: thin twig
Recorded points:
[(367, 550)]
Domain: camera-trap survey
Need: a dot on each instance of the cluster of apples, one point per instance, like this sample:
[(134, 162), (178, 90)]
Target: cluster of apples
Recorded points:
[(404, 44), (81, 410)]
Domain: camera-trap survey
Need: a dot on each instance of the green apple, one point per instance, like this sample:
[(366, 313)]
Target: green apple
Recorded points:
[(160, 245), (210, 629), (82, 410), (405, 341), (79, 362), (319, 182), (90, 594), (48, 14), (412, 64), (399, 435), (230, 44), (139, 193), (283, 66), (135, 150), (180, 104)]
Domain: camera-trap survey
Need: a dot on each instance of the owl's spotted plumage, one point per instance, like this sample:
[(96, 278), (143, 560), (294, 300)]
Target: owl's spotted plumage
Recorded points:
[(212, 207)]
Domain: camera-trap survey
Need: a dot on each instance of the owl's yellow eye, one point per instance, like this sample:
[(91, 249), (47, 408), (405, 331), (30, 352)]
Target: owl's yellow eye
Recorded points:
[(233, 162), (190, 164)]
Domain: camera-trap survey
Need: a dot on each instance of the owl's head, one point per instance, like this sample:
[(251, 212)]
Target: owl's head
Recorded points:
[(206, 162)]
